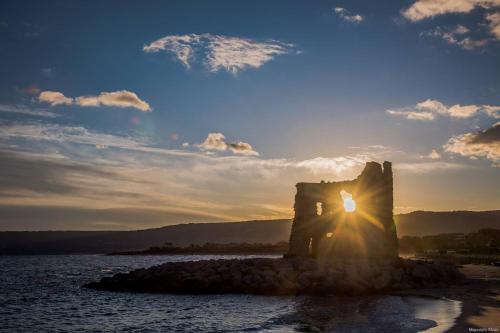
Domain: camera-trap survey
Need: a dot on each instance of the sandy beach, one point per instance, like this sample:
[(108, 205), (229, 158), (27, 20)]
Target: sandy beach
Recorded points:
[(480, 297)]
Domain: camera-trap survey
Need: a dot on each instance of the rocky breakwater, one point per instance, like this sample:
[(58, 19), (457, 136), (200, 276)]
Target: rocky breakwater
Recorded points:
[(283, 277)]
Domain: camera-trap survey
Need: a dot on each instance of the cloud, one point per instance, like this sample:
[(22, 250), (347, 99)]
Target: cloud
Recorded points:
[(492, 111), (214, 141), (217, 141), (414, 115), (456, 36), (423, 9), (22, 109), (54, 98), (42, 174), (428, 109), (242, 148), (181, 46), (494, 24), (434, 155), (432, 105), (197, 189), (485, 144), (65, 134), (460, 30), (427, 167), (344, 14), (470, 44), (232, 54), (132, 175), (46, 171), (333, 164), (462, 111), (120, 99)]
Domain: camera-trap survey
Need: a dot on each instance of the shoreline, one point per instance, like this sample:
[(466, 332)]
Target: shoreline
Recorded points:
[(479, 296)]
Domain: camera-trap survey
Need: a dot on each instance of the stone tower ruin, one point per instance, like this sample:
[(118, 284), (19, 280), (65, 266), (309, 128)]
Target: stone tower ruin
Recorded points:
[(323, 228)]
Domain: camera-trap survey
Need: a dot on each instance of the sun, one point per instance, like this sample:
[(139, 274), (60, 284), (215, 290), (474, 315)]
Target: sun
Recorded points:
[(349, 203)]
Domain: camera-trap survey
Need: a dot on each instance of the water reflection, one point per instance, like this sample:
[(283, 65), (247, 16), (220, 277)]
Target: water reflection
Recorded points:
[(376, 314), (443, 311)]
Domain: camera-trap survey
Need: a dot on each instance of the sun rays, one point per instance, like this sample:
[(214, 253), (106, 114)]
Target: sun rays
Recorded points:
[(352, 215)]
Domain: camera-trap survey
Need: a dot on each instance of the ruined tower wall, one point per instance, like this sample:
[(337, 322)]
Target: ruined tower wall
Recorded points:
[(388, 213), (369, 231)]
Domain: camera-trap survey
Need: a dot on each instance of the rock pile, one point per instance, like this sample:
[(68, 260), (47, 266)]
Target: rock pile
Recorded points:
[(283, 276)]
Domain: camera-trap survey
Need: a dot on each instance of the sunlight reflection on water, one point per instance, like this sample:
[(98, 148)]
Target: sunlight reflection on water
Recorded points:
[(442, 311), (382, 313)]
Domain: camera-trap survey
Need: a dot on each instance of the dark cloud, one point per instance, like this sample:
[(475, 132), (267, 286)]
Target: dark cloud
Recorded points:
[(489, 135), (24, 172), (242, 148), (27, 176), (484, 143)]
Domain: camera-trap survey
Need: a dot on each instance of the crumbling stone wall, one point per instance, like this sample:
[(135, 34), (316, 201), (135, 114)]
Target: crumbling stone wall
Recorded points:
[(369, 231)]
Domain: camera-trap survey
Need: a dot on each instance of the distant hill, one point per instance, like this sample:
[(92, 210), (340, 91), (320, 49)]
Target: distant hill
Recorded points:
[(266, 231), (422, 223), (61, 242)]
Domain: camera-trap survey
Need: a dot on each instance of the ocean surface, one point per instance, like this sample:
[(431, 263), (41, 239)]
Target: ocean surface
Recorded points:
[(44, 294)]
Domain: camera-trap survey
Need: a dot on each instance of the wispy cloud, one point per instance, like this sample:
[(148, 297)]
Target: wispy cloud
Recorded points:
[(414, 115), (429, 109), (485, 144), (232, 54), (457, 36), (345, 15), (65, 134), (120, 99), (217, 141), (333, 164), (23, 109), (494, 24), (423, 9), (134, 175), (434, 155), (427, 167), (166, 185), (492, 111)]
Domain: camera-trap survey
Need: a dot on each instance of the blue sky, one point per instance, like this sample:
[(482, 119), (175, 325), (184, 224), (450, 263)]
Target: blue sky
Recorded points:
[(268, 94)]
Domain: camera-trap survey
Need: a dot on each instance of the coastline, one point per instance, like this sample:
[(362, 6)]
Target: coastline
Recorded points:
[(480, 298)]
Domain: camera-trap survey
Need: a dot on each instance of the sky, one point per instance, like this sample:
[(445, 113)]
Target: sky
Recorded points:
[(138, 114)]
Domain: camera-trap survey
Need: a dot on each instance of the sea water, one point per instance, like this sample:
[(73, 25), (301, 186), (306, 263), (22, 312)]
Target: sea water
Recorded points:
[(44, 294)]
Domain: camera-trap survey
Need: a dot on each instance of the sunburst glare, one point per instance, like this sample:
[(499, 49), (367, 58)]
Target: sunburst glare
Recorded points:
[(349, 203)]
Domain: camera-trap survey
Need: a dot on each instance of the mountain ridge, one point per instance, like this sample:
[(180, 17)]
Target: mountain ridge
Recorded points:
[(417, 223)]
